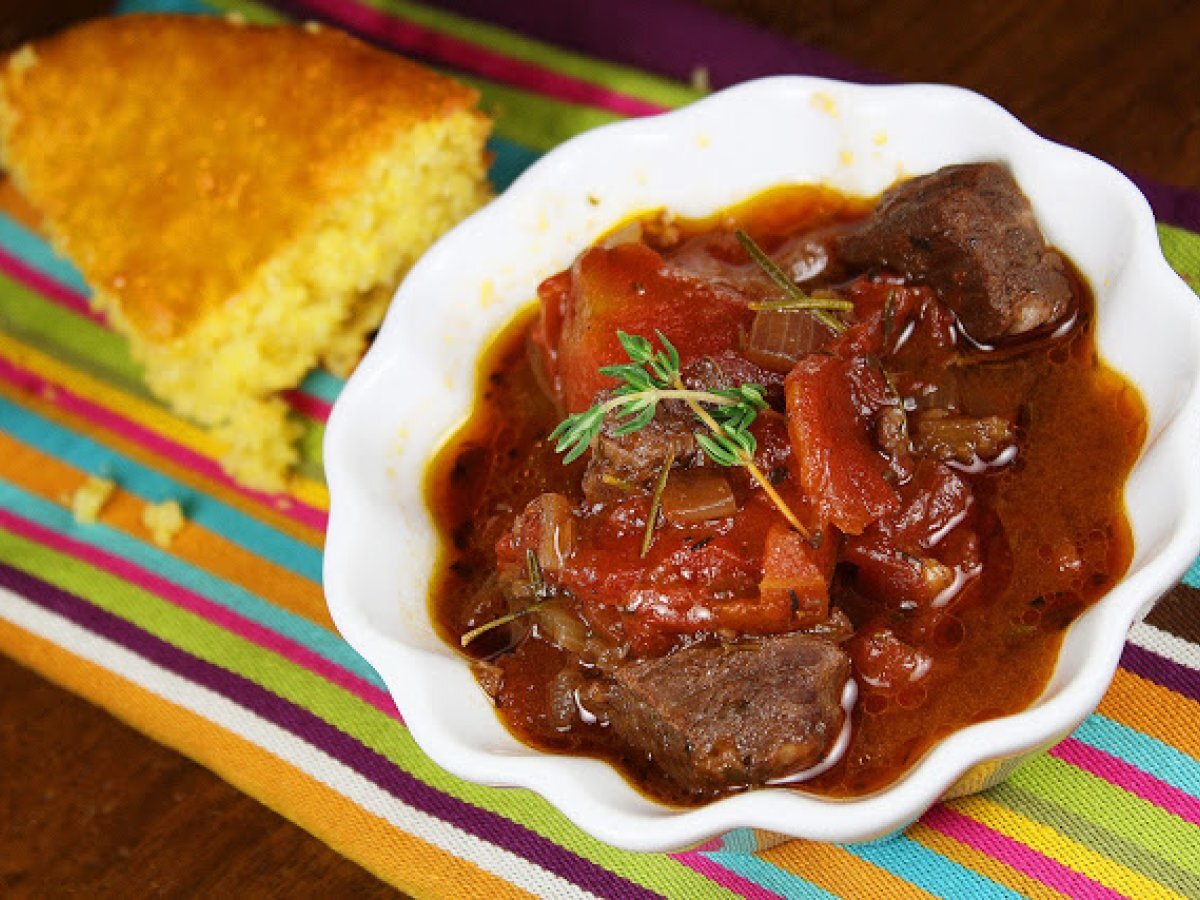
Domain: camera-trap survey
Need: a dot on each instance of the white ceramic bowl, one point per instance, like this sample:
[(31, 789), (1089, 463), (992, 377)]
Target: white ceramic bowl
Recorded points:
[(416, 385)]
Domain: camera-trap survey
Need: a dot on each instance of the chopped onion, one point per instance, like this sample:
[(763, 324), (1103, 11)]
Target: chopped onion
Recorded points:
[(629, 233), (779, 337), (697, 495), (555, 530)]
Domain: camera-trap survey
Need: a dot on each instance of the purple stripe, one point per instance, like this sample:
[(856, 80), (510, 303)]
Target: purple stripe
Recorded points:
[(670, 37), (327, 737), (632, 32), (1161, 671)]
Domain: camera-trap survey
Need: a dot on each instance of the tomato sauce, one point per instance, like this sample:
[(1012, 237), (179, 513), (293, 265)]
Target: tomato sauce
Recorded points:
[(1042, 535)]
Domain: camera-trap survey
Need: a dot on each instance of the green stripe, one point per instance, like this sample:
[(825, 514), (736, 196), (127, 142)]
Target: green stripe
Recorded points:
[(69, 337), (532, 120), (622, 79), (1182, 250), (1099, 839), (1100, 803), (356, 718)]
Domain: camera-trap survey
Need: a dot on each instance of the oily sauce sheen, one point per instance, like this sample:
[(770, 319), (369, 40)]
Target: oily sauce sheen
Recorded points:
[(1050, 524)]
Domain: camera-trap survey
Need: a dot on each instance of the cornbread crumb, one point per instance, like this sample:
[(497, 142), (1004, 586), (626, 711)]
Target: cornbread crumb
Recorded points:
[(239, 230), (89, 499), (23, 60), (164, 521)]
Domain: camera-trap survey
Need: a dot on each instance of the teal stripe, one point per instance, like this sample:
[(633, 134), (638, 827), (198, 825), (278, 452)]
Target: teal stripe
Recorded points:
[(38, 254), (84, 453), (1152, 756), (1192, 578), (162, 6), (218, 590), (942, 877), (320, 383), (740, 840), (768, 876), (509, 160)]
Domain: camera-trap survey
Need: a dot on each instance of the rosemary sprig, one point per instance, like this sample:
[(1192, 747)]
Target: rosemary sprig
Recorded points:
[(792, 293), (538, 586), (651, 376), (656, 502), (805, 303)]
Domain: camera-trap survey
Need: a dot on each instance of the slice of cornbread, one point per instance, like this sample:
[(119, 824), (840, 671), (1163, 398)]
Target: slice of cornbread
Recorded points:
[(242, 199)]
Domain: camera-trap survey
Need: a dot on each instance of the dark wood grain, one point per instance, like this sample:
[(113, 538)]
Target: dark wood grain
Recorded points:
[(89, 807), (1120, 80)]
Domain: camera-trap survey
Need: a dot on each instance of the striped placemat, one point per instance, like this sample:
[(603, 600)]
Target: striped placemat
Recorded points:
[(222, 647)]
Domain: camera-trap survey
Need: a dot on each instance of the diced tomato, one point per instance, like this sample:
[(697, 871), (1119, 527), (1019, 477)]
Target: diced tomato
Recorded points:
[(900, 557), (795, 577), (829, 403), (627, 288), (886, 664)]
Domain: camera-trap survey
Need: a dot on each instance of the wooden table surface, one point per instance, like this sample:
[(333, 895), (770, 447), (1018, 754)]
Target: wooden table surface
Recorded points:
[(88, 806)]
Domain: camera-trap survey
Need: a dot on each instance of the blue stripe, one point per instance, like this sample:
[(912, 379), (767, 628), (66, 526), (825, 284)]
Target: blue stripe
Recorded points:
[(224, 593), (90, 456), (768, 876), (38, 254), (942, 877), (1150, 755)]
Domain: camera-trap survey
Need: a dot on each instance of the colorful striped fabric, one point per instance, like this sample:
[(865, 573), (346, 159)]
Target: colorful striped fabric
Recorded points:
[(222, 648)]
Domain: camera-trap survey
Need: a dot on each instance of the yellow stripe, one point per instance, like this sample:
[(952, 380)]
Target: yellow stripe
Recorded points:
[(970, 858), (1057, 846), (55, 481), (144, 412), (392, 854), (839, 871), (1154, 710)]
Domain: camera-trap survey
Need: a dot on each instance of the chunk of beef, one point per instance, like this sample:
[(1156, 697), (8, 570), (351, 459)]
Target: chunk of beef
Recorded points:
[(968, 232), (622, 462), (964, 439), (714, 717)]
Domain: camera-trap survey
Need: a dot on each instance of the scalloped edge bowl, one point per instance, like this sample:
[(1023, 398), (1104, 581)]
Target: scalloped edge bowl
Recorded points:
[(416, 386)]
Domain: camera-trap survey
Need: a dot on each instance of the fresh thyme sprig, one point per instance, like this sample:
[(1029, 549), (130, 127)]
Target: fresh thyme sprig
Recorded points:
[(794, 297), (652, 376), (537, 585)]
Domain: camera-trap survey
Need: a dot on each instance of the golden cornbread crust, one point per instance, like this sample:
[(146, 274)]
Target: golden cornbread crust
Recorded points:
[(239, 197)]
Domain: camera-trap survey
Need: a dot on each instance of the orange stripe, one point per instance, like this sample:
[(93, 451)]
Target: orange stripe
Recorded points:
[(392, 854), (55, 481), (1154, 710), (970, 858), (172, 470), (833, 869)]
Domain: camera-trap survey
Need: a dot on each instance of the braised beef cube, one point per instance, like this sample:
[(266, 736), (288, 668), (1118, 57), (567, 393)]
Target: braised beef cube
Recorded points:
[(620, 463), (713, 716), (964, 439), (969, 233)]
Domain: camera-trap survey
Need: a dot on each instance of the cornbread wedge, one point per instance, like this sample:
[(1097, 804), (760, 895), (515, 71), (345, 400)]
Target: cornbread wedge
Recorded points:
[(242, 199)]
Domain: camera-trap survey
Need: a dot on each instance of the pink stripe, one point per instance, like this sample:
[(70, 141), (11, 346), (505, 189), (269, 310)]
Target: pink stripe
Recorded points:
[(18, 270), (131, 431), (1012, 852), (382, 28), (194, 603), (1129, 778), (308, 405), (715, 872)]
